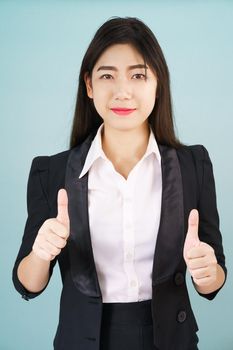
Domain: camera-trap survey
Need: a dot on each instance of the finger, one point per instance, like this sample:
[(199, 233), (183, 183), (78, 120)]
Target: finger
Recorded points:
[(203, 281), (193, 223), (197, 263), (196, 252), (192, 239), (41, 253), (55, 226), (56, 240), (200, 273), (202, 250), (62, 207), (48, 247)]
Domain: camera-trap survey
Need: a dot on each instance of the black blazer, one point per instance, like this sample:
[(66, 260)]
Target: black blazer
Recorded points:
[(187, 183)]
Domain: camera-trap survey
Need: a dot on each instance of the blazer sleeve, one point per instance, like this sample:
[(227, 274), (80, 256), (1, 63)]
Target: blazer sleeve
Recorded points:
[(209, 231), (38, 211)]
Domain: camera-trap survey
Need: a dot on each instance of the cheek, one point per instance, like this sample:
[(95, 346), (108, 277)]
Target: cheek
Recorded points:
[(100, 100), (100, 92), (149, 100)]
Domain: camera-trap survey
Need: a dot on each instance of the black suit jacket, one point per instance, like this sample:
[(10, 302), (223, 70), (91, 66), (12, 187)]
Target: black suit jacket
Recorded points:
[(187, 183)]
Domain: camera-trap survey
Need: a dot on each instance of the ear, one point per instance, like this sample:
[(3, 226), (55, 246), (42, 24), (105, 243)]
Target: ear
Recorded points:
[(88, 83)]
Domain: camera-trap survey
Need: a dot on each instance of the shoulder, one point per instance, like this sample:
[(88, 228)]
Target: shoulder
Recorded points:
[(194, 153), (49, 170), (55, 160), (48, 173), (194, 160), (60, 159)]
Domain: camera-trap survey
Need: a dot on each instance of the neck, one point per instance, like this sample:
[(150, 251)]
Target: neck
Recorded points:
[(125, 145)]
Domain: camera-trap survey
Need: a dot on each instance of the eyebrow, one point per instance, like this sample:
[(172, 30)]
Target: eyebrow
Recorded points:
[(129, 67)]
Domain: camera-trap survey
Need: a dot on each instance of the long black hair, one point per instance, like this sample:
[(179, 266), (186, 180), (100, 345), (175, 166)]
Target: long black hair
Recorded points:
[(127, 30)]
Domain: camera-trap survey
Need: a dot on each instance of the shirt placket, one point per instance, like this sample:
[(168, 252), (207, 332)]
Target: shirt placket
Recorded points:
[(129, 241)]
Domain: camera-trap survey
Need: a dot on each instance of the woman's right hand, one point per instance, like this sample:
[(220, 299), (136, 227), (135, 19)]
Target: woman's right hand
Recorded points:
[(53, 234)]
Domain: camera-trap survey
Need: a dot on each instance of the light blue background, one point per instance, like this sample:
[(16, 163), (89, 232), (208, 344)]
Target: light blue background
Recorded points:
[(41, 47)]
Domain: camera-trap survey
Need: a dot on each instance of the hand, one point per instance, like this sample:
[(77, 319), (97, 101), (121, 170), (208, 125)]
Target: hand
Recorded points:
[(53, 234), (199, 256)]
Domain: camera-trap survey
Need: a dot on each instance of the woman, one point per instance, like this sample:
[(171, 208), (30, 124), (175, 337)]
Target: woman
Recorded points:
[(120, 210)]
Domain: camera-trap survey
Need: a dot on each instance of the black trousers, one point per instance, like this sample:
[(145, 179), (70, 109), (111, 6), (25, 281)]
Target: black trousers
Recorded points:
[(127, 326)]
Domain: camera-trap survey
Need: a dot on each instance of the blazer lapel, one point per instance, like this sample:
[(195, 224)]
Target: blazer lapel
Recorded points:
[(82, 264), (169, 246)]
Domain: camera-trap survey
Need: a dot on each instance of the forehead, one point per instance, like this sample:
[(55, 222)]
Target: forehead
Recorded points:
[(120, 54)]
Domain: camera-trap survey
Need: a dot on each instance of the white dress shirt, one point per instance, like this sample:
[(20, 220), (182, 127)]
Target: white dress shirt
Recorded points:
[(124, 216)]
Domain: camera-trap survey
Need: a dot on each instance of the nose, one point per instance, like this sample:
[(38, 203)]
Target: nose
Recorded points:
[(123, 90)]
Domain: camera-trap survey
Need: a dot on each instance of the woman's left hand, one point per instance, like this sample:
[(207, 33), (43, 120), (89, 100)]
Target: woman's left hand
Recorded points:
[(199, 256)]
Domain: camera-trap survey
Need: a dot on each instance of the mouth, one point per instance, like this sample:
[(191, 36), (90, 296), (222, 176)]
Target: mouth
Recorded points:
[(123, 111)]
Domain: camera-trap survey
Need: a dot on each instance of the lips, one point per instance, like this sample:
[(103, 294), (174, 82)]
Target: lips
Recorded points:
[(123, 111)]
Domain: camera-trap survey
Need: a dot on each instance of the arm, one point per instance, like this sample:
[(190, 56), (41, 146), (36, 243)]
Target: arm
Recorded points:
[(38, 211), (33, 273), (210, 240)]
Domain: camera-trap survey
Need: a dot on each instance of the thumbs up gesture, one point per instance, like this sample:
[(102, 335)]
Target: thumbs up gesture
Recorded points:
[(199, 256), (53, 234)]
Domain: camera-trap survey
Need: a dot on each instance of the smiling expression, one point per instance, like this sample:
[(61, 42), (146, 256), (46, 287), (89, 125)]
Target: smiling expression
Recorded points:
[(120, 81)]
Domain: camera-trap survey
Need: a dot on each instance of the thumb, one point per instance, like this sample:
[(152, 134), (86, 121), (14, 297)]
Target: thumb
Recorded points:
[(62, 207), (192, 239)]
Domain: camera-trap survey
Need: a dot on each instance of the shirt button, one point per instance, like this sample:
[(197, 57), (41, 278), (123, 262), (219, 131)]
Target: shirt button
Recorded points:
[(128, 225), (129, 256), (133, 283), (127, 199)]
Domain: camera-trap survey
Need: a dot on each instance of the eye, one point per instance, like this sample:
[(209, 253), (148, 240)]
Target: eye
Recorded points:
[(106, 76), (139, 76)]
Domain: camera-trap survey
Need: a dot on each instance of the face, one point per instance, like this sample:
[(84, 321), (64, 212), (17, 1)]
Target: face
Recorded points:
[(120, 81)]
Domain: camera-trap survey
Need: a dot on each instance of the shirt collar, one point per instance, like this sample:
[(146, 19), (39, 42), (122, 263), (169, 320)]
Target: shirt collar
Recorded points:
[(96, 150)]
